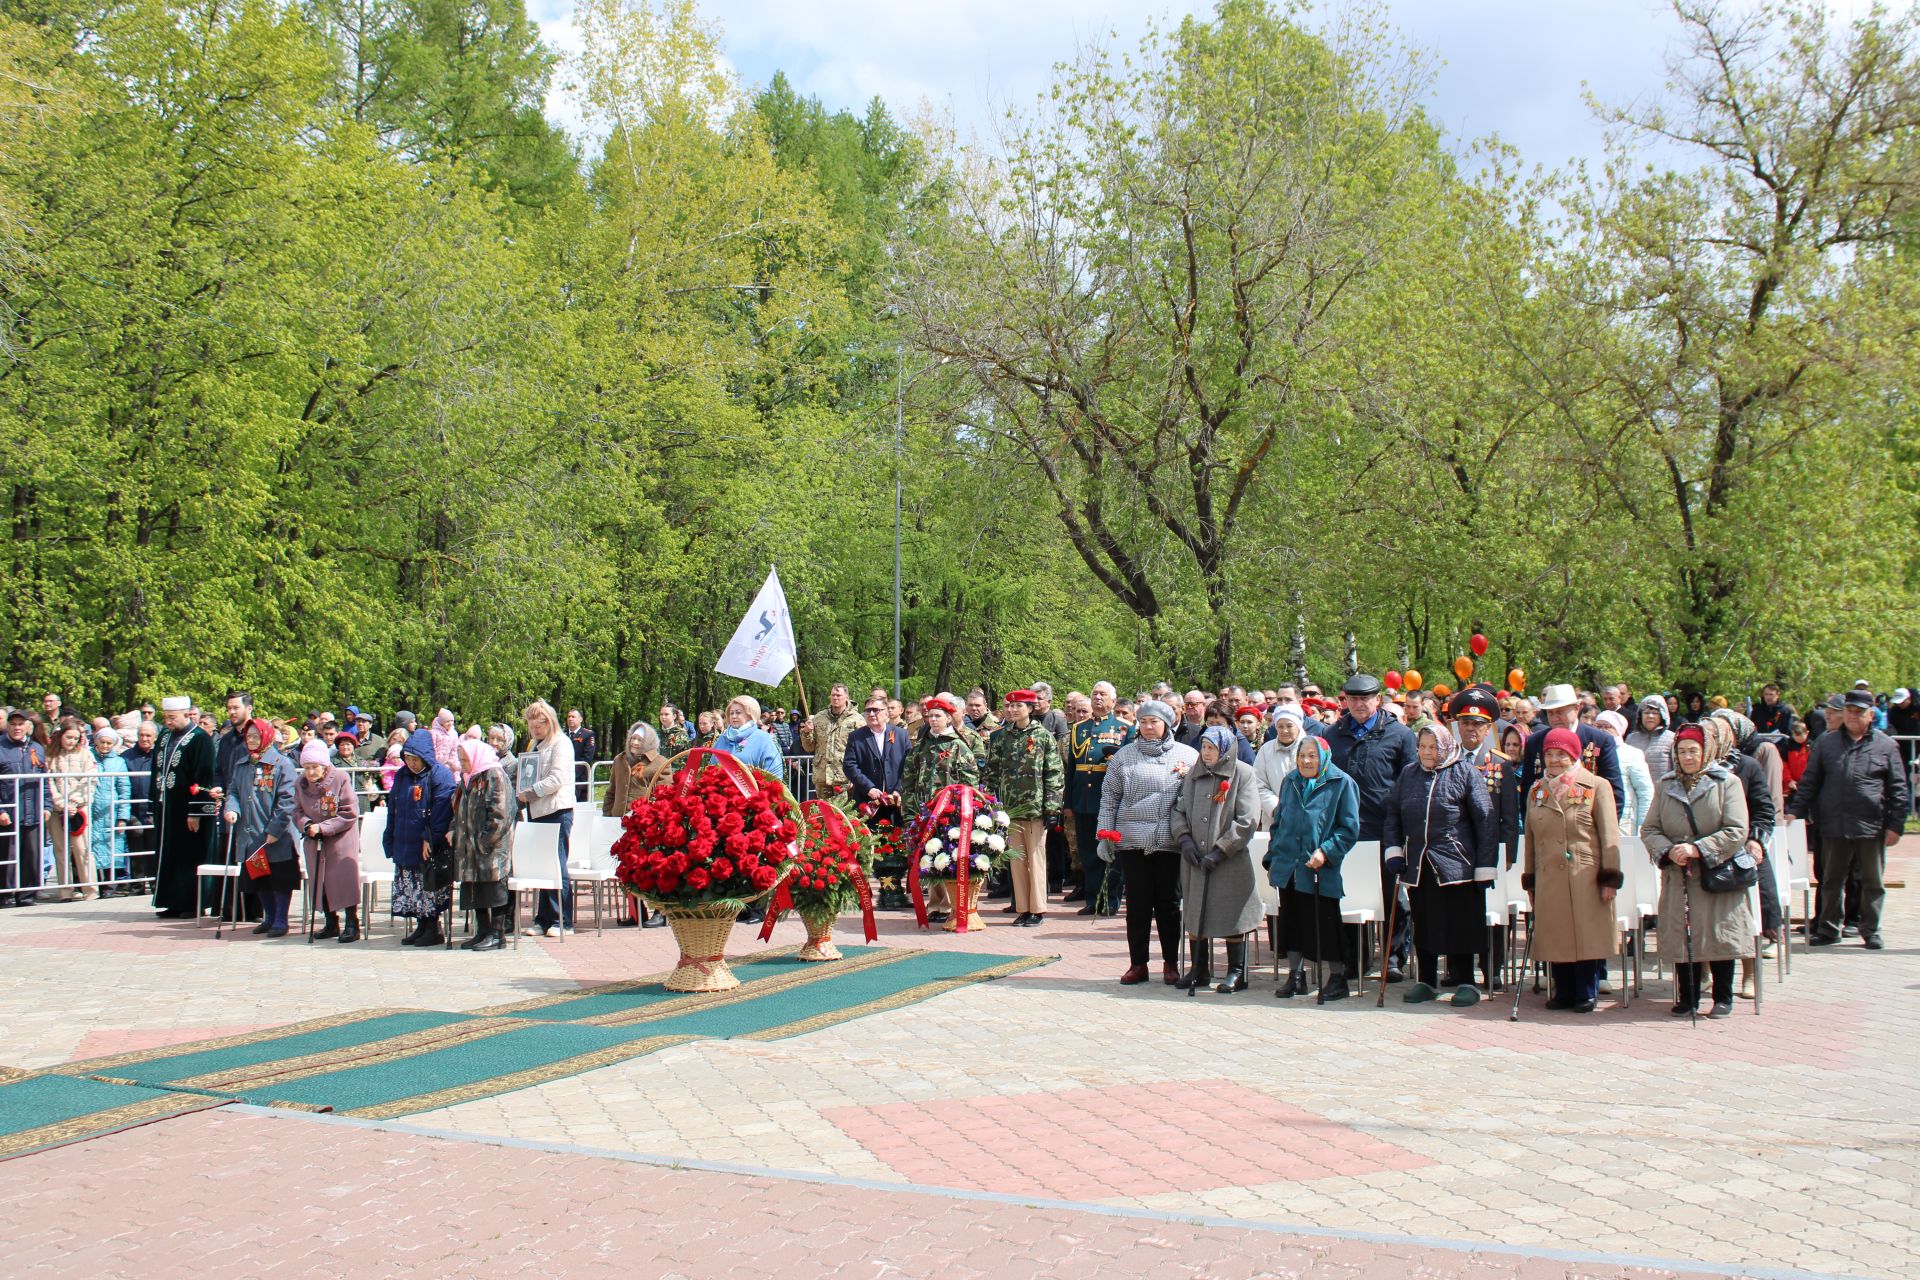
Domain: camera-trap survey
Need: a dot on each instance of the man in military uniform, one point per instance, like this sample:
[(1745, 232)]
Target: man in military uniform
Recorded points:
[(1089, 743), (939, 759), (186, 808), (826, 736), (979, 715), (1025, 771)]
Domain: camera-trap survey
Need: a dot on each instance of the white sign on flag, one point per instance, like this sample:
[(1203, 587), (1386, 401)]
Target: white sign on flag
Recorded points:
[(762, 648)]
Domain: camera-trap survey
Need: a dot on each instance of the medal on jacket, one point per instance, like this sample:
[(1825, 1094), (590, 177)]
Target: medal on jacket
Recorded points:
[(416, 793), (262, 780), (329, 806)]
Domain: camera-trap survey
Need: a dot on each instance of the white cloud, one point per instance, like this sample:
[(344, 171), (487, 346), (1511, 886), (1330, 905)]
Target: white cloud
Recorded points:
[(1515, 67)]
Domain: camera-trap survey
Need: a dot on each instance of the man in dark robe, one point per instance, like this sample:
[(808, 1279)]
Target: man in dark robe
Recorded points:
[(186, 809)]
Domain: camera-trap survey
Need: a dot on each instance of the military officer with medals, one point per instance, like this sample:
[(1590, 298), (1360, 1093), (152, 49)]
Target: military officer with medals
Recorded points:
[(1089, 745), (1473, 711), (186, 809), (1025, 771)]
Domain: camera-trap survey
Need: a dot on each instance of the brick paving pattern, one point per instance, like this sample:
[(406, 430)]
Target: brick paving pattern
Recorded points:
[(1785, 1141)]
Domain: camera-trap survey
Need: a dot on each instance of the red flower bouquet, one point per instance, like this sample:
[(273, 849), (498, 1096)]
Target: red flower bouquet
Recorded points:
[(829, 876), (704, 844)]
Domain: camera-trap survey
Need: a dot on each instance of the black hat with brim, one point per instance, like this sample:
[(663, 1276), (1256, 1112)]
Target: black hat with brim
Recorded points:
[(1361, 685)]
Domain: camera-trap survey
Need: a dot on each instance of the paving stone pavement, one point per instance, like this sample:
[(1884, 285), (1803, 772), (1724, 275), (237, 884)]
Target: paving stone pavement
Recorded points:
[(1783, 1141)]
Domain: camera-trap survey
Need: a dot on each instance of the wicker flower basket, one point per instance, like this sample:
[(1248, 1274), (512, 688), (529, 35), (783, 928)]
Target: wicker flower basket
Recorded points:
[(819, 922), (974, 885), (702, 934)]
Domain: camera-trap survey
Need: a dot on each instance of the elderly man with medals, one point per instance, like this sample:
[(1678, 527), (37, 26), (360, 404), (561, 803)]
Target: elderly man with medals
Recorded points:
[(186, 809)]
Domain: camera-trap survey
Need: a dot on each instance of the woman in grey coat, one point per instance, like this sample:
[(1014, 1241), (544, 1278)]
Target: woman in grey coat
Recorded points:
[(1214, 819), (1699, 818), (1143, 781)]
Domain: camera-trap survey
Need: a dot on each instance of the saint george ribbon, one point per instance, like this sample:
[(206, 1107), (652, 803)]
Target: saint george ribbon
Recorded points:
[(824, 821)]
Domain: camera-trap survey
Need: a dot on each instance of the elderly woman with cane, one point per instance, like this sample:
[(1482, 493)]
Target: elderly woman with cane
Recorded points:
[(1443, 842), (1316, 819), (1697, 824), (1572, 872), (260, 811), (482, 835), (328, 813), (1214, 818)]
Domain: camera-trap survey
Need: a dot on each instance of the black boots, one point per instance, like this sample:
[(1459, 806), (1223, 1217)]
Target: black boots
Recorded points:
[(333, 927), (1199, 965), (1236, 979), (427, 935), (1335, 989), (352, 932), (1295, 985), (488, 937), (413, 933)]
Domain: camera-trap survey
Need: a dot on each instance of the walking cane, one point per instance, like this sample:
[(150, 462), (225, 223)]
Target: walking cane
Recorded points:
[(1686, 920), (1528, 963), (319, 851), (1386, 944), (1319, 976), (1193, 940), (226, 861)]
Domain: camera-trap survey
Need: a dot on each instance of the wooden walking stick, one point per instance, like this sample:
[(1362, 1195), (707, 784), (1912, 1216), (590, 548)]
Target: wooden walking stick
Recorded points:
[(1386, 944), (1319, 973), (1686, 919)]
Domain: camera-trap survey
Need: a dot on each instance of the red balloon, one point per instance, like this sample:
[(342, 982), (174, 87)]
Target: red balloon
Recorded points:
[(1478, 644), (1391, 679)]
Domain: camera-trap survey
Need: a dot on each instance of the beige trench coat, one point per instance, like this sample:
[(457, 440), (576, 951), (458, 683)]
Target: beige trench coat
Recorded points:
[(1572, 853), (1723, 924)]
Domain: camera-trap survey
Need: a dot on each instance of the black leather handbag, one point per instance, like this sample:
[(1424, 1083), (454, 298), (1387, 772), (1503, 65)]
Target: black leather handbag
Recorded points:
[(1736, 875)]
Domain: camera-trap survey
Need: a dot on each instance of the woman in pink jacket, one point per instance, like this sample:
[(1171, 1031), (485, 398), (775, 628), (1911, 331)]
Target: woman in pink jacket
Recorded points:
[(329, 819)]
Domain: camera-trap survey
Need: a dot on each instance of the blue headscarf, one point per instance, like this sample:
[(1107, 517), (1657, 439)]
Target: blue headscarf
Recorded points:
[(1323, 756), (1224, 740)]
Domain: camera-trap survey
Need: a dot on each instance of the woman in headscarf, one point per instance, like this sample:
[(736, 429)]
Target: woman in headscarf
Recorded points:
[(744, 739), (260, 809), (1699, 818), (483, 812), (1651, 733), (1214, 818), (420, 814), (1275, 758), (329, 817), (1316, 819), (1572, 872), (1218, 713), (1143, 779), (1442, 840), (112, 809), (635, 770), (1731, 740)]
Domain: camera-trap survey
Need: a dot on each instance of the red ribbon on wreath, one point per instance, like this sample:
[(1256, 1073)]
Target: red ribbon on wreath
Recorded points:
[(830, 822), (963, 798)]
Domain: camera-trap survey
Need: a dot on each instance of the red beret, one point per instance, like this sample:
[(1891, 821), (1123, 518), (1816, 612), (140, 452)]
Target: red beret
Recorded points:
[(928, 704), (1253, 709), (1024, 695)]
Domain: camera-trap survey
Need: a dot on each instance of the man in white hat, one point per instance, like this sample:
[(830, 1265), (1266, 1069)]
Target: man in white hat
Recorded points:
[(1561, 707), (186, 810)]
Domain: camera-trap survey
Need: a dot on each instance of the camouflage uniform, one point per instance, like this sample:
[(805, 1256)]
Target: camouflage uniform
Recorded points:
[(826, 737), (933, 763), (1026, 773)]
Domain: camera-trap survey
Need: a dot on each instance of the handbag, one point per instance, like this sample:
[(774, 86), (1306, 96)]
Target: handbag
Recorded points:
[(1736, 875), (436, 870)]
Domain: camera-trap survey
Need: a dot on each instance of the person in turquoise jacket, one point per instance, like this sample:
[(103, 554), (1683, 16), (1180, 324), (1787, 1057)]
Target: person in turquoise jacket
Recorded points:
[(112, 809), (1315, 823)]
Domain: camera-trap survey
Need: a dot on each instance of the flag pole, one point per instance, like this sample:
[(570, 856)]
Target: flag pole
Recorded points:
[(805, 710)]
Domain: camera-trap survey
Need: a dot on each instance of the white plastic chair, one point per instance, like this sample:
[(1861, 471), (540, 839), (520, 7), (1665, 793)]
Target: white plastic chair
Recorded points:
[(1782, 873), (591, 860), (1640, 895), (1361, 902), (228, 870), (1792, 839), (376, 868), (1518, 905), (536, 864)]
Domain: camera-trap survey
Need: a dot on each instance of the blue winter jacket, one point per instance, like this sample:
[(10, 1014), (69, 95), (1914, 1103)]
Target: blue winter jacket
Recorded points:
[(1440, 827), (753, 746), (1327, 820), (419, 805), (1373, 759), (261, 799)]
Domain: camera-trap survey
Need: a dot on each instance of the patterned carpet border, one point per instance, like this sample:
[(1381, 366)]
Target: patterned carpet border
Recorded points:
[(382, 1064), (44, 1110)]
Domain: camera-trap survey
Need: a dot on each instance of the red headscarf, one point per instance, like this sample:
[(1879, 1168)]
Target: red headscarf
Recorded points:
[(265, 729)]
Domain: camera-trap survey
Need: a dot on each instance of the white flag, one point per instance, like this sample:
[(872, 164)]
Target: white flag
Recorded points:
[(762, 648)]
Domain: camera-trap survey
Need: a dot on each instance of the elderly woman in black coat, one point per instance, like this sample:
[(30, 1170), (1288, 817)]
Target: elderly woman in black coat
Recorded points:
[(1442, 839)]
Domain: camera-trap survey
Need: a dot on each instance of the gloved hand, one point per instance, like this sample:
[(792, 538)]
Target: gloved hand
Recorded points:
[(1395, 866), (1106, 849), (1190, 851), (1215, 856)]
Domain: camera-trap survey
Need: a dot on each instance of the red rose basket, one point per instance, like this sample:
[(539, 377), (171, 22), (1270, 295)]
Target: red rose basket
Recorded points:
[(829, 876), (713, 837)]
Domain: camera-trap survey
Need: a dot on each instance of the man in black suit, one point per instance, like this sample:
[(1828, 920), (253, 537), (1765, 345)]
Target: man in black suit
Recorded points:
[(875, 754)]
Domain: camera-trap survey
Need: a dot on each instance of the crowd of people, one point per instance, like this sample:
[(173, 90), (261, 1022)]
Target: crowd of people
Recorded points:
[(1153, 801)]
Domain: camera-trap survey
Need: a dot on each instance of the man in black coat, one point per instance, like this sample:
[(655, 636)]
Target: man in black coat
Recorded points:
[(873, 763), (1561, 706), (1371, 747), (1855, 792)]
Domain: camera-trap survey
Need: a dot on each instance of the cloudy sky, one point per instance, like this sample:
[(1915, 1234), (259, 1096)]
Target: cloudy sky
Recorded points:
[(1512, 67)]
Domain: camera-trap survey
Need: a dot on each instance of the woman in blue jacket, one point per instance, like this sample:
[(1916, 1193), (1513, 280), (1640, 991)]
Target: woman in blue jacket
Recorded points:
[(1442, 840), (1315, 823), (419, 816), (743, 737), (112, 809)]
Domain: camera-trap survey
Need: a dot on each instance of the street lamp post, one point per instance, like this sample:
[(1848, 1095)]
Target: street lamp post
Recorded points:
[(899, 444)]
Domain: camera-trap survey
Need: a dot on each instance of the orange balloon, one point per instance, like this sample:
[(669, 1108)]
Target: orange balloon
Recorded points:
[(1517, 680), (1412, 678), (1463, 667), (1441, 691)]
